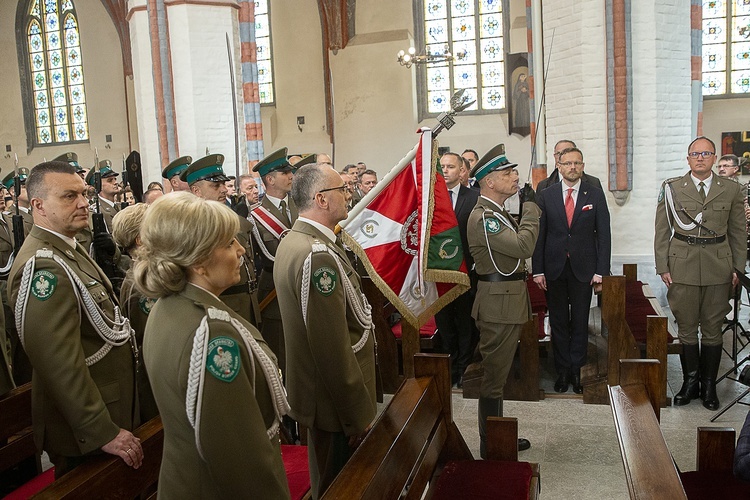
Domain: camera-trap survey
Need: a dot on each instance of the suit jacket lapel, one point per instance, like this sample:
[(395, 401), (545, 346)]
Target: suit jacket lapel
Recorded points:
[(559, 206), (688, 188)]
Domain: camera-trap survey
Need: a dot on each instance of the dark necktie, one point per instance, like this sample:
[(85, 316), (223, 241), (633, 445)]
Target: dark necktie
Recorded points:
[(284, 215), (702, 190)]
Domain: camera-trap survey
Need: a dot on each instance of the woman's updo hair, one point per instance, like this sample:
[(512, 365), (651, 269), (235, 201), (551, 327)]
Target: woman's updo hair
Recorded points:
[(127, 224), (180, 230)]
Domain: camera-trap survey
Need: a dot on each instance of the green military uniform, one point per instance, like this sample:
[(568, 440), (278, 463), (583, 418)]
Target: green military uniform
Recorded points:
[(700, 258), (499, 247), (6, 375), (136, 308), (72, 159), (243, 297), (695, 267), (8, 338), (270, 226), (18, 359), (329, 346), (79, 404), (227, 451), (106, 207)]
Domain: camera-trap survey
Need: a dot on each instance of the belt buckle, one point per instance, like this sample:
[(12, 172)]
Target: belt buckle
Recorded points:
[(692, 240)]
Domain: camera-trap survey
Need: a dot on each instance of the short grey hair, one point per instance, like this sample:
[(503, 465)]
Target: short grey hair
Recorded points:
[(307, 181)]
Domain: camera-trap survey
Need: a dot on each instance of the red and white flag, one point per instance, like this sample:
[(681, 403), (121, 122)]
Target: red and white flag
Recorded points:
[(406, 233)]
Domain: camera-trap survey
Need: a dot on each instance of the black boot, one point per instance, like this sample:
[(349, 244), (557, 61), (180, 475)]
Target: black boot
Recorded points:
[(491, 407), (710, 358), (690, 361)]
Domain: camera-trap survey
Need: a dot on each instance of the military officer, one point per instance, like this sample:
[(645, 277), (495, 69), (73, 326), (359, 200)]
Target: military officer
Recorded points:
[(172, 173), (17, 357), (83, 387), (272, 219), (110, 188), (500, 248), (699, 241), (9, 181), (206, 179), (221, 404), (327, 327), (72, 158)]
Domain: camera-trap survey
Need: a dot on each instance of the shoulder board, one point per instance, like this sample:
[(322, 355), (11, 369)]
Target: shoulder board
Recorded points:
[(318, 247), (671, 180), (214, 313), (45, 253)]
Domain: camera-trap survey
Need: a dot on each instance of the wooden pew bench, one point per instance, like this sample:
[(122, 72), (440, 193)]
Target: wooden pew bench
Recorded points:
[(19, 460), (650, 471), (625, 310), (415, 447)]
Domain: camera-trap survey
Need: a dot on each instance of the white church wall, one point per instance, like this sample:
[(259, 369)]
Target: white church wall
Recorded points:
[(577, 102), (105, 91)]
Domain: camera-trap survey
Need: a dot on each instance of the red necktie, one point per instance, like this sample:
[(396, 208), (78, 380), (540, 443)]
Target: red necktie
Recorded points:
[(570, 206)]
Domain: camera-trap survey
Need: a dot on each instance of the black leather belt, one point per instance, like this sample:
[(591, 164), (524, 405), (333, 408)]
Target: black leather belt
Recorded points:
[(495, 277), (268, 269), (694, 240)]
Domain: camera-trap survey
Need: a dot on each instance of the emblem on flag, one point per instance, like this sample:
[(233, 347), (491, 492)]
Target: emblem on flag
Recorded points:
[(406, 234)]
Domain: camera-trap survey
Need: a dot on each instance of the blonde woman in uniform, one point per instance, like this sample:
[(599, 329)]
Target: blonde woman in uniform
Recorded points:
[(215, 380)]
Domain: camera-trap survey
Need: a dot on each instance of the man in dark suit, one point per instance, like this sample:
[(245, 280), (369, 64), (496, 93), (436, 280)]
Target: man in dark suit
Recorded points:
[(454, 321), (554, 177), (571, 256)]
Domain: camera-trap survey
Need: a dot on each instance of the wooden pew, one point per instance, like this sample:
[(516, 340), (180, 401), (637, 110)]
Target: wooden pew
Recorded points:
[(617, 341), (107, 476), (650, 471), (19, 460), (415, 443)]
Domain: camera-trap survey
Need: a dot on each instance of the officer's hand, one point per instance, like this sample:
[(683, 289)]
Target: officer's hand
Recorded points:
[(104, 245), (541, 282), (735, 280), (126, 446), (526, 193), (666, 278)]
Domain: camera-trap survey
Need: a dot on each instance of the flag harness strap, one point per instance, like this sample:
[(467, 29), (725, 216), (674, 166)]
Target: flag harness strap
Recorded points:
[(197, 373), (505, 222), (360, 306), (114, 333)]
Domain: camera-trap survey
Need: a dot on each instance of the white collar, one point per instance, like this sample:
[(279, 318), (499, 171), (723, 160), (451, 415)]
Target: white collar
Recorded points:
[(66, 239), (320, 227), (212, 294), (277, 201), (110, 203), (499, 207), (576, 187), (706, 182)]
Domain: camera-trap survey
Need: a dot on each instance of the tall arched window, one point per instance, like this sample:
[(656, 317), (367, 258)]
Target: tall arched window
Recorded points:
[(473, 27), (726, 47), (263, 47), (55, 72)]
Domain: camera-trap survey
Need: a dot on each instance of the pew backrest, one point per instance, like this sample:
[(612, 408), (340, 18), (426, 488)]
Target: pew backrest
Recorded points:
[(16, 433)]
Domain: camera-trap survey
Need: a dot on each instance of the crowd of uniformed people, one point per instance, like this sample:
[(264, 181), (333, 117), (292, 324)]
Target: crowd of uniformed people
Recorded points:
[(230, 307)]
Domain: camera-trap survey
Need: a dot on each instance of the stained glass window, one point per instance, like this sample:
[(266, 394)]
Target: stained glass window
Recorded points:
[(263, 44), (56, 69), (472, 29), (726, 47)]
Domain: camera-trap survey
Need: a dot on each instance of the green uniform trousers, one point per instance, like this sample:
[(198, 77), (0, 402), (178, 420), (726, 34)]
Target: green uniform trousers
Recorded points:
[(704, 306), (497, 344)]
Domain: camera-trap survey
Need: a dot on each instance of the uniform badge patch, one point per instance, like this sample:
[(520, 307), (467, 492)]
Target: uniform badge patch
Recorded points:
[(492, 225), (146, 304), (43, 285), (223, 360), (661, 194), (324, 279)]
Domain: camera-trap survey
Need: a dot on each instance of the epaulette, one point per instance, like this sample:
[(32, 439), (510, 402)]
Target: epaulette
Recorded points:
[(671, 180), (214, 313), (317, 247), (45, 253)]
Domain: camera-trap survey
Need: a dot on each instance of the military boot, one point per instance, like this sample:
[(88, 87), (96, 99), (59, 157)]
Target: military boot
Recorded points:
[(710, 358), (690, 361)]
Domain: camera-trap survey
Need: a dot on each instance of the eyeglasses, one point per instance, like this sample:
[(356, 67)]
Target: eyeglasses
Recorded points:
[(704, 154), (338, 188), (569, 163)]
